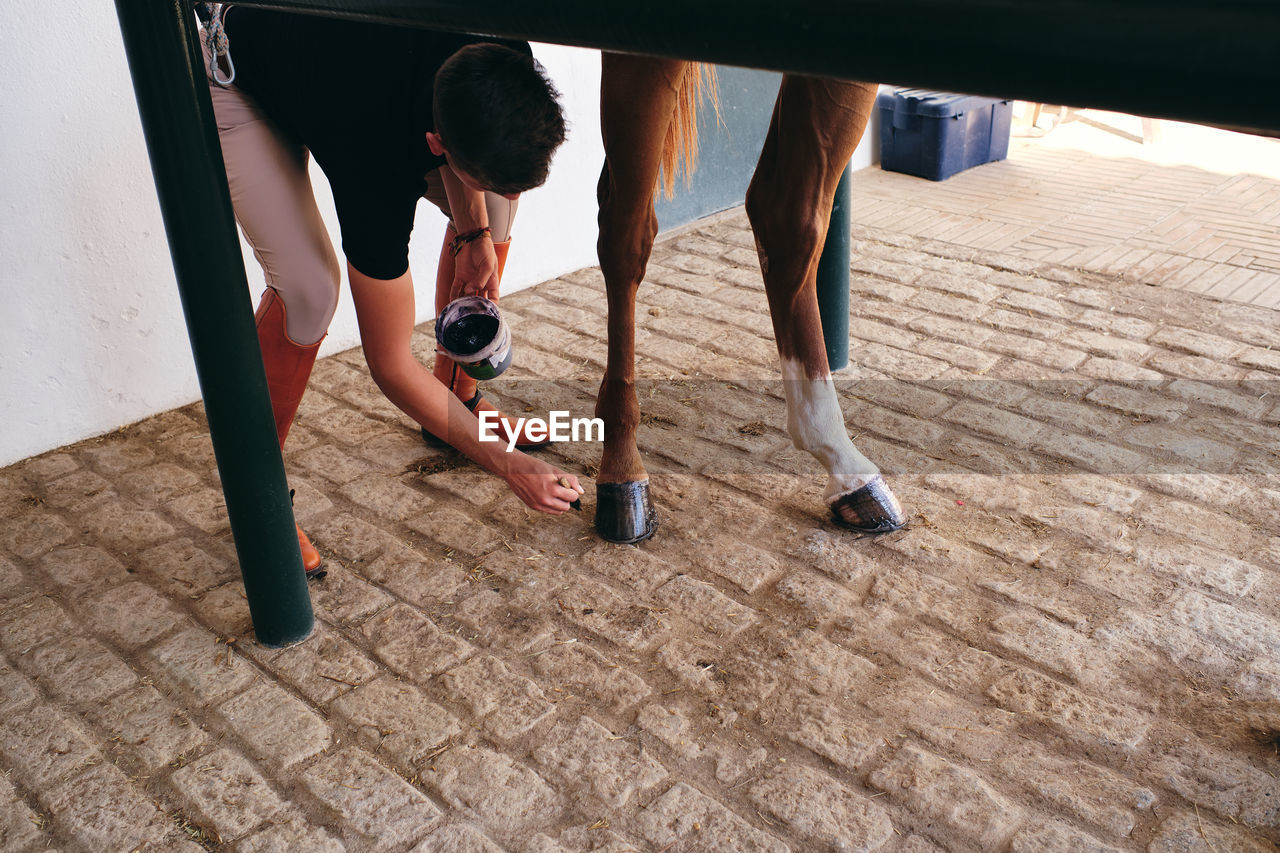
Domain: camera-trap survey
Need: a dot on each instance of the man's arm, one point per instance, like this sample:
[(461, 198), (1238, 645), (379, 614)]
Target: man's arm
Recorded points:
[(476, 265)]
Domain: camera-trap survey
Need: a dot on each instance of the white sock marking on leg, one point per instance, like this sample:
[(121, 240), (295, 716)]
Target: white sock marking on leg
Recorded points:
[(816, 425)]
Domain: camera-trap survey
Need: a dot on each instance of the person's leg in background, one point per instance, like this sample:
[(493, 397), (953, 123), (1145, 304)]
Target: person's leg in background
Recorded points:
[(502, 213), (274, 204)]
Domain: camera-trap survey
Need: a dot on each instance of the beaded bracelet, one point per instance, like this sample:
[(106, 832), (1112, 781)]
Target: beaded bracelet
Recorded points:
[(456, 244)]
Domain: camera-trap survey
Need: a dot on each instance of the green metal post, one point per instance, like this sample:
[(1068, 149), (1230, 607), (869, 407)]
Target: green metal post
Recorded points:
[(186, 160), (833, 278)]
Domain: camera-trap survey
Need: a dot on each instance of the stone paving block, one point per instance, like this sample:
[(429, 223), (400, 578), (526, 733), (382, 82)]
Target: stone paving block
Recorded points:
[(820, 599), (344, 598), (103, 810), (457, 838), (508, 797), (686, 814), (952, 795), (588, 755), (371, 799), (827, 729), (287, 833), (508, 623), (13, 584), (1246, 405), (48, 467), (324, 666), (77, 669), (1090, 454), (1088, 721), (1192, 367), (596, 608), (46, 745), (396, 720), (125, 527), (629, 567), (184, 570), (387, 498), (1092, 793), (831, 552), (828, 814), (157, 484), (204, 509), (1140, 404), (704, 605), (1115, 370), (1197, 565), (702, 666), (1176, 450), (1107, 346), (195, 660), (25, 624), (508, 704), (1194, 521), (572, 670), (79, 492), (673, 728), (118, 456), (18, 824), (16, 692), (33, 533), (148, 728), (332, 463), (1054, 647), (456, 531), (415, 576), (83, 570), (1188, 832), (1074, 416), (899, 364), (1055, 835), (466, 484), (277, 727), (979, 734), (352, 540), (411, 644), (225, 793), (225, 610), (1196, 342), (132, 614)]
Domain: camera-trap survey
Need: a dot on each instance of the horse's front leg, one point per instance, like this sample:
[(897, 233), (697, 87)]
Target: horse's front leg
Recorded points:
[(816, 126), (637, 101)]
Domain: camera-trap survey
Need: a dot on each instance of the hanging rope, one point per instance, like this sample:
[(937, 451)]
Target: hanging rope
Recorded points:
[(215, 40)]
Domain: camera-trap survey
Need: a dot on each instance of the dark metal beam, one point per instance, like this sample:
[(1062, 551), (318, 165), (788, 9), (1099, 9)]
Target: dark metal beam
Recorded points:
[(186, 160), (1211, 61)]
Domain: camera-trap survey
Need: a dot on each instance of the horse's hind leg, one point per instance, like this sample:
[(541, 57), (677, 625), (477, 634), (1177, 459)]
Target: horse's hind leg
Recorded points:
[(816, 126), (637, 101)]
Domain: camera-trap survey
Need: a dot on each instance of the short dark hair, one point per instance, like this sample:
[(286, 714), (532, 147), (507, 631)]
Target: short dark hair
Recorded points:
[(498, 115)]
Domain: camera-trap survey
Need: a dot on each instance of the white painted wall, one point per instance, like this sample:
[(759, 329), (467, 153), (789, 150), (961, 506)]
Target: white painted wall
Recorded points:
[(91, 329)]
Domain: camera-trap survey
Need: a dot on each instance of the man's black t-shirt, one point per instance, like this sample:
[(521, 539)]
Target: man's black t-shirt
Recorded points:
[(358, 95)]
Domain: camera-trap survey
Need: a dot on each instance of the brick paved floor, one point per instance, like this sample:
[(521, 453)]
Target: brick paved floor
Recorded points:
[(1075, 645), (1163, 214)]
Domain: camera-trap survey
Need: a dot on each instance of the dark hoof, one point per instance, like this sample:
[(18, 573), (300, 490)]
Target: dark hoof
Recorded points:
[(871, 509), (624, 512)]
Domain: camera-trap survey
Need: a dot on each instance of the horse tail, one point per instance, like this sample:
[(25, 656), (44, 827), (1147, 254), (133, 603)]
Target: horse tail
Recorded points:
[(680, 148)]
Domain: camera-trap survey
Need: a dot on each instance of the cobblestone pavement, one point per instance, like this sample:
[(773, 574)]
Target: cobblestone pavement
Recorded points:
[(1075, 645), (1177, 226)]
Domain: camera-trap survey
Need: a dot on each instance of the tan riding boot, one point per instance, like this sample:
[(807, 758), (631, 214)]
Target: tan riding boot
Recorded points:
[(288, 366), (464, 386)]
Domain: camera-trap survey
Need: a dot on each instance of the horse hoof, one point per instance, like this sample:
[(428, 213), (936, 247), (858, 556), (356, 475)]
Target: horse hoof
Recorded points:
[(624, 512), (870, 509)]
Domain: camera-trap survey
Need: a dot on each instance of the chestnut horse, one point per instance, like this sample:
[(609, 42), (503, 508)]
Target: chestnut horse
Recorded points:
[(646, 114)]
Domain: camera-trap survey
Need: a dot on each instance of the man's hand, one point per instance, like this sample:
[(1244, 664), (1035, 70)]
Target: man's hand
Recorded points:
[(475, 271)]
